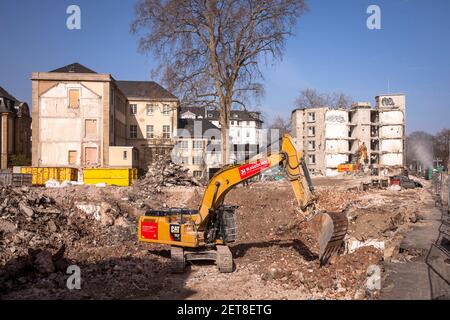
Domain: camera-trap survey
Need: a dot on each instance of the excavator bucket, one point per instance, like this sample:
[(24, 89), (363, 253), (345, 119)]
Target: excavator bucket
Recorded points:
[(330, 229)]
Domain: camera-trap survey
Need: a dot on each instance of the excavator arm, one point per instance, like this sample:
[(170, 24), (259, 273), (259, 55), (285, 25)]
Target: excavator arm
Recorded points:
[(227, 178)]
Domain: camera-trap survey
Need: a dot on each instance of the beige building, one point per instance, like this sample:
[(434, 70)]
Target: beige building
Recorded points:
[(86, 119), (15, 131), (151, 117), (77, 115), (331, 137)]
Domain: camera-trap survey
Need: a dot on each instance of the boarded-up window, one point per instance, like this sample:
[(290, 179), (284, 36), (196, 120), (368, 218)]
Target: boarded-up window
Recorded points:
[(72, 157), (91, 127), (90, 155), (74, 98)]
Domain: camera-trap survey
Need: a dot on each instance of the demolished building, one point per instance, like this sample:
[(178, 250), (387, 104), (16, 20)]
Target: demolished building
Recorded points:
[(330, 137)]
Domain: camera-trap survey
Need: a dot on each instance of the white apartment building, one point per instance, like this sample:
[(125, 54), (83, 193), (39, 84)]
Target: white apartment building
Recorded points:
[(244, 132), (330, 137)]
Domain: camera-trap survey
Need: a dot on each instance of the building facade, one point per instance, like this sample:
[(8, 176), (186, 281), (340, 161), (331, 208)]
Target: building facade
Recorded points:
[(329, 137), (15, 131), (85, 119), (244, 132), (152, 115), (197, 146)]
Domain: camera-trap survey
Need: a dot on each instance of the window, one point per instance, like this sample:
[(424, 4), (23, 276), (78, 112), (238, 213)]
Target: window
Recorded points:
[(166, 110), (183, 145), (133, 132), (166, 132), (133, 108), (184, 160), (312, 131), (74, 98), (197, 144), (312, 159), (248, 123), (150, 110), (125, 155), (149, 132), (311, 117), (247, 134), (72, 157), (235, 116), (197, 174), (90, 127), (197, 161), (90, 155), (311, 145)]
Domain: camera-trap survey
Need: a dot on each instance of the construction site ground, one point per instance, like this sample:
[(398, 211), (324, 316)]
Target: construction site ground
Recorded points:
[(275, 255)]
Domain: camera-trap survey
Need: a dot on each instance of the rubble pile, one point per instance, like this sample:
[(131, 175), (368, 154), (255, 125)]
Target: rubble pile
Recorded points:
[(335, 199), (164, 173), (35, 232)]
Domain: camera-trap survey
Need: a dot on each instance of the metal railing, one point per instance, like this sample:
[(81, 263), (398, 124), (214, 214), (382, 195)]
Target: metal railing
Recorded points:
[(438, 257), (15, 179)]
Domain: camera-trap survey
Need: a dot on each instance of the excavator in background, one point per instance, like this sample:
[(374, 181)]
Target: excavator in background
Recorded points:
[(204, 233), (360, 159)]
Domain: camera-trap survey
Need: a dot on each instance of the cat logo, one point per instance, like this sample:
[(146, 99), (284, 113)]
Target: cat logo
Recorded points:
[(175, 232)]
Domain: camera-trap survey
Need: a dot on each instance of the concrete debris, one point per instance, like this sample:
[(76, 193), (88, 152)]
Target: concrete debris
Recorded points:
[(394, 188), (164, 173), (35, 230), (26, 209), (353, 244)]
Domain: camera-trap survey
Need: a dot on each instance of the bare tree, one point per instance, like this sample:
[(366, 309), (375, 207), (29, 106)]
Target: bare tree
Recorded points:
[(310, 98), (441, 145), (210, 50), (282, 125)]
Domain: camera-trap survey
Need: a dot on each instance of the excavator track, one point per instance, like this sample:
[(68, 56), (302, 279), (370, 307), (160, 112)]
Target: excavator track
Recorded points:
[(177, 259), (331, 228)]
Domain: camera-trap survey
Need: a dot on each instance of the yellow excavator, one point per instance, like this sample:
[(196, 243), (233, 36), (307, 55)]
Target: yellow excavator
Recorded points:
[(204, 233)]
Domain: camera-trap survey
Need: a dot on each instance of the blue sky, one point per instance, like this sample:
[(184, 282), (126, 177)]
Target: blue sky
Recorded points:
[(332, 50)]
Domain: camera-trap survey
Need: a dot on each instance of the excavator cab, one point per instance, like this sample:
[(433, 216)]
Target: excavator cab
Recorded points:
[(204, 233)]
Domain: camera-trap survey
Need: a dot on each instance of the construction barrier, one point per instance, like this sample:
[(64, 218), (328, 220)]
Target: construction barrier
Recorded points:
[(111, 176), (41, 175)]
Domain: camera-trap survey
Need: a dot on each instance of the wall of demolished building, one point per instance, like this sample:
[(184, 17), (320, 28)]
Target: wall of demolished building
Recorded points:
[(63, 129)]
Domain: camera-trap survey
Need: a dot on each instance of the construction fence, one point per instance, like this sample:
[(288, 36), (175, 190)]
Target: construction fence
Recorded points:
[(438, 257), (15, 179)]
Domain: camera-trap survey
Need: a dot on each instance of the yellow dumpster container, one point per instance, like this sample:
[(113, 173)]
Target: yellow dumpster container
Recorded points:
[(41, 175), (111, 176)]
